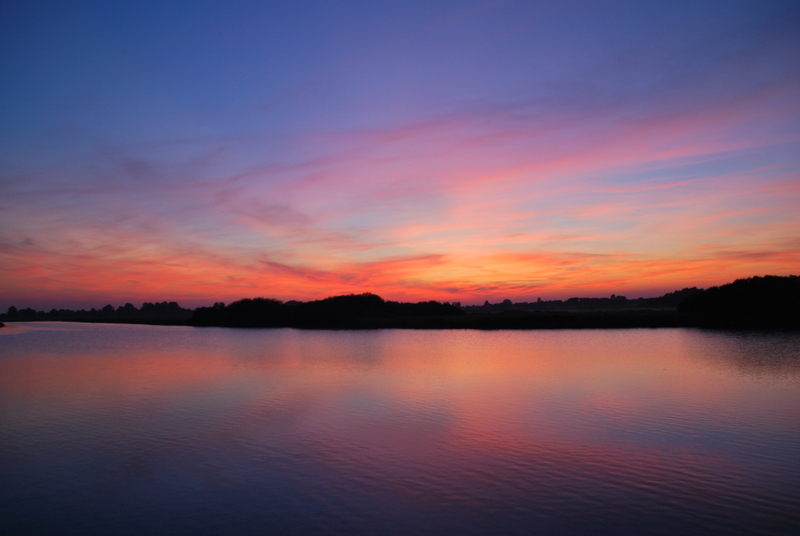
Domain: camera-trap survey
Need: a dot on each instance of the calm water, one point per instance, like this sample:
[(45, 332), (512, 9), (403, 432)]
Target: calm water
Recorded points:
[(110, 429)]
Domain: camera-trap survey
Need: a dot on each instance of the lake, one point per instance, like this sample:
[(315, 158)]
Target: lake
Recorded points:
[(124, 429)]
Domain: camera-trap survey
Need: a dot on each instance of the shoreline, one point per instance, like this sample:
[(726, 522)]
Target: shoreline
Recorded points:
[(510, 320)]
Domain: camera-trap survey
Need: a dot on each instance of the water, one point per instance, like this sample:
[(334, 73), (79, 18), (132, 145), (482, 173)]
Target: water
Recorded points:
[(113, 429)]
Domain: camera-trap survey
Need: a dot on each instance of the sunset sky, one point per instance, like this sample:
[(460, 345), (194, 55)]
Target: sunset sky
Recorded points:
[(451, 150)]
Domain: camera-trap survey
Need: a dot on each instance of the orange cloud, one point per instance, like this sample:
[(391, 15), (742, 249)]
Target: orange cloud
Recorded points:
[(470, 206)]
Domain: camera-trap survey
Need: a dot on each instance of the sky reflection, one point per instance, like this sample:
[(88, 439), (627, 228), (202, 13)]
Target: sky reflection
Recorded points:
[(654, 431)]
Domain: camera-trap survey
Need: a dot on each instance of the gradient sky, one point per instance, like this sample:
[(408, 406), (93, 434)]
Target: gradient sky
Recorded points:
[(452, 150)]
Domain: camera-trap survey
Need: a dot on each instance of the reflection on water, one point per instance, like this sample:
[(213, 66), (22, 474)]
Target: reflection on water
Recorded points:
[(141, 429)]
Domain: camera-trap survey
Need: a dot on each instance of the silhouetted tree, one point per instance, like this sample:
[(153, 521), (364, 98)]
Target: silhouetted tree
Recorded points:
[(758, 302), (255, 312)]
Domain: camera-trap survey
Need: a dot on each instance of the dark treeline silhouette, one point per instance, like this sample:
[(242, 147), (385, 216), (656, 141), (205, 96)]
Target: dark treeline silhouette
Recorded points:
[(667, 301), (769, 302), (337, 312), (149, 313)]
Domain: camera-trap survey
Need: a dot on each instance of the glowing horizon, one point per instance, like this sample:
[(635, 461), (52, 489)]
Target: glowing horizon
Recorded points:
[(500, 150)]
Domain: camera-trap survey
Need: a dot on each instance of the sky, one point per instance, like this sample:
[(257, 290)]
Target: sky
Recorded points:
[(454, 150)]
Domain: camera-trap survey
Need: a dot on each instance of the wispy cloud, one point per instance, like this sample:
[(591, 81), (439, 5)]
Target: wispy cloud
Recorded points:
[(661, 163)]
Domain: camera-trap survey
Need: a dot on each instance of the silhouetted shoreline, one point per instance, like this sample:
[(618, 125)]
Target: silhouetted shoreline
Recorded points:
[(757, 303)]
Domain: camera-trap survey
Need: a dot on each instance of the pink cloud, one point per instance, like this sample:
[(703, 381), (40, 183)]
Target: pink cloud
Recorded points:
[(469, 206)]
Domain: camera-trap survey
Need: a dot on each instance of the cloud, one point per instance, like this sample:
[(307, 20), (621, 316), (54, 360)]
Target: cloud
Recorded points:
[(689, 177)]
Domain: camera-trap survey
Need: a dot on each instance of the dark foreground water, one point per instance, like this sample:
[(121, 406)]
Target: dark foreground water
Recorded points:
[(112, 429)]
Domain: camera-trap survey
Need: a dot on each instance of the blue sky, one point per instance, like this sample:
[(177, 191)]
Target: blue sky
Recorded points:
[(207, 151)]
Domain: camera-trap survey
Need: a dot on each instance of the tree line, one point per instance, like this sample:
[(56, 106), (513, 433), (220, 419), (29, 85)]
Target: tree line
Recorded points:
[(351, 310), (159, 312), (768, 302)]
